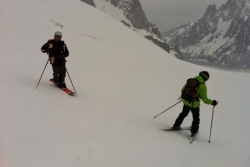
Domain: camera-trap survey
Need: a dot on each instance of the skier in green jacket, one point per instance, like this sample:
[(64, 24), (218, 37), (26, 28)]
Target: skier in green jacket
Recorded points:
[(195, 106)]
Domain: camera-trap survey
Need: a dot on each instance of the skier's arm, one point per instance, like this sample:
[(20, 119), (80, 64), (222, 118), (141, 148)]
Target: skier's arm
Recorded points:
[(66, 51), (46, 47), (203, 96)]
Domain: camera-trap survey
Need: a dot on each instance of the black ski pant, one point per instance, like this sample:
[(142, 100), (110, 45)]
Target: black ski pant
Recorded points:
[(196, 118), (59, 73)]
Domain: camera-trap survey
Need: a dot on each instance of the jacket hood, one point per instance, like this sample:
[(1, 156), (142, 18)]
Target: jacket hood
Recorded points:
[(200, 79)]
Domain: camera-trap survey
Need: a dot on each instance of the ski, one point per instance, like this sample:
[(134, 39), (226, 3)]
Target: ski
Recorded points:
[(66, 90), (170, 129)]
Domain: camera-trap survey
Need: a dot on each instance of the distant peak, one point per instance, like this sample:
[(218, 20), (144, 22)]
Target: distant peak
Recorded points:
[(212, 6), (90, 2), (210, 9)]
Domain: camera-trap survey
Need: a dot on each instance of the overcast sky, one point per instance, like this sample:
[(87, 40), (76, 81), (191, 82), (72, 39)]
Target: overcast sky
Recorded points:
[(168, 14)]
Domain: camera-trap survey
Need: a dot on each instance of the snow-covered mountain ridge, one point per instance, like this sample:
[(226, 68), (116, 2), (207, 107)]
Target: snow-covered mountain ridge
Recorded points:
[(221, 38), (131, 14)]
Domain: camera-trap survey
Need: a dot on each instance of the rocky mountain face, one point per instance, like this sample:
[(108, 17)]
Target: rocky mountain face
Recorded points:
[(132, 10), (90, 2), (131, 14), (221, 38)]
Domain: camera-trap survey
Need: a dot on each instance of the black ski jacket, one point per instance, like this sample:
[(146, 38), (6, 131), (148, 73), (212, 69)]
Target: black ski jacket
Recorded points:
[(57, 51)]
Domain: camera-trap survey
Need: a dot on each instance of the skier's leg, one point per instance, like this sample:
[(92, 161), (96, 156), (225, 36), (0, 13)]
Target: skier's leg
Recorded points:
[(181, 116), (56, 70), (62, 74), (196, 119)]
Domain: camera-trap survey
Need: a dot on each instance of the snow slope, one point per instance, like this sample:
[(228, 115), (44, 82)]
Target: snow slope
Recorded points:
[(112, 11), (122, 82)]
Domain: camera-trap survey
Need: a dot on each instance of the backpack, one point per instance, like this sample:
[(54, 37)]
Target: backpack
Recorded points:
[(190, 90)]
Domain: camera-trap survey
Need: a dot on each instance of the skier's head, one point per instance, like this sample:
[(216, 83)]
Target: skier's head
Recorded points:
[(204, 75), (58, 36)]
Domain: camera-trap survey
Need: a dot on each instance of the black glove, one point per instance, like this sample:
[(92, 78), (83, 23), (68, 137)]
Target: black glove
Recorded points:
[(214, 103)]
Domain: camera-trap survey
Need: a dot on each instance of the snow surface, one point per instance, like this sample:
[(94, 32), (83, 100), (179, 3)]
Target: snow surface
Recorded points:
[(111, 10), (122, 82)]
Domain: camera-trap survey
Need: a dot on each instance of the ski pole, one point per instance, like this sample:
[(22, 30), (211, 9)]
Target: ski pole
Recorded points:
[(42, 74), (70, 80), (211, 123), (167, 109)]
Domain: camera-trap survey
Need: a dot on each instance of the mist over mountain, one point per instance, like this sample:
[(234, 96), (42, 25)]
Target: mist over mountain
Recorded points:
[(219, 39)]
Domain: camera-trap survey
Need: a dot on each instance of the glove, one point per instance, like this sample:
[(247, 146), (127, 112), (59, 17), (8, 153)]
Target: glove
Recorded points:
[(45, 50), (214, 103)]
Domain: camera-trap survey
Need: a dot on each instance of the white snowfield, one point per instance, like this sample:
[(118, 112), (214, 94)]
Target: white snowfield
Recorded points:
[(122, 81)]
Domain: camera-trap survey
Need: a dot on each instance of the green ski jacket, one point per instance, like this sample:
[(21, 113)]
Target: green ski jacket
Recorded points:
[(201, 93)]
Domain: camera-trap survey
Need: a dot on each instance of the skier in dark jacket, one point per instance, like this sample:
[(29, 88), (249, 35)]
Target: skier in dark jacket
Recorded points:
[(195, 106), (57, 51)]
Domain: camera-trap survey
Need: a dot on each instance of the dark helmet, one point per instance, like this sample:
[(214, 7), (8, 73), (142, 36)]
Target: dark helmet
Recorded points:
[(204, 75)]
